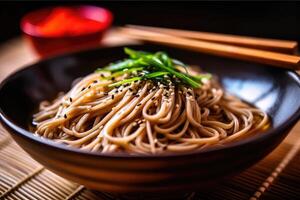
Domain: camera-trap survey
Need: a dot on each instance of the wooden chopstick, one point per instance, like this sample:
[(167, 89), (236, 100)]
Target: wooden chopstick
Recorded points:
[(236, 52), (285, 46)]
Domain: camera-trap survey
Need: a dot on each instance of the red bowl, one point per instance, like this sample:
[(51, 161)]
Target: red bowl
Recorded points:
[(53, 43)]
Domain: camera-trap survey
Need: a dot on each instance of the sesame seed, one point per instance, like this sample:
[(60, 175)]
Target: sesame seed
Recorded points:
[(152, 98), (139, 104), (112, 96), (137, 95), (113, 78), (102, 75), (135, 81), (89, 87), (65, 116), (83, 89), (71, 99), (130, 89), (95, 81)]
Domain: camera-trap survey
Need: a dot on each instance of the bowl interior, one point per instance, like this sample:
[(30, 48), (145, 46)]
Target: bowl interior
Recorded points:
[(275, 91)]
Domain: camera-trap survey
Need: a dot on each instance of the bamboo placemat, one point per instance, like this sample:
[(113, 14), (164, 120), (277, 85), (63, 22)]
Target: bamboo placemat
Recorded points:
[(275, 177)]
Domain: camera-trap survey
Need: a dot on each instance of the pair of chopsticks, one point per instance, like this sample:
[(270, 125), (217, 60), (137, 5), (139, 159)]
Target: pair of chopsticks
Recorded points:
[(261, 50)]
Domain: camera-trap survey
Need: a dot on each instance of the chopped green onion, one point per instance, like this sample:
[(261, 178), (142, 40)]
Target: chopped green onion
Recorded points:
[(179, 63), (133, 54), (130, 80), (129, 63), (125, 71), (157, 63), (164, 58), (153, 66), (146, 76), (155, 74)]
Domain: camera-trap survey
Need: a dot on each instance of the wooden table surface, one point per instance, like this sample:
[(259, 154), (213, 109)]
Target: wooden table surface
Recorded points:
[(16, 53)]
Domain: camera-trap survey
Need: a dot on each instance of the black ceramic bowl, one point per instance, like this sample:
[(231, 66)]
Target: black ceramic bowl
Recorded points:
[(274, 90)]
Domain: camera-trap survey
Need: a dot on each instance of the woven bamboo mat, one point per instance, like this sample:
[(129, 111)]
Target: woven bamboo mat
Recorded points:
[(275, 177)]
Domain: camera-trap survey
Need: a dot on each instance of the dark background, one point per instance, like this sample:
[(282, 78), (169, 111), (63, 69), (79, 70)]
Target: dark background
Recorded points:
[(274, 20)]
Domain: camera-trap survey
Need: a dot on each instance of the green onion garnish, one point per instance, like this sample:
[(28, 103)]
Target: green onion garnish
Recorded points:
[(130, 80), (152, 66), (144, 77)]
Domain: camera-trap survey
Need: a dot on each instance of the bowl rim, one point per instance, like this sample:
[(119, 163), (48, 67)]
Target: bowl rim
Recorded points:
[(26, 20), (289, 122)]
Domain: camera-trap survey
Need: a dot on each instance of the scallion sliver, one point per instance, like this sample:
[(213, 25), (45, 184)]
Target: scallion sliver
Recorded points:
[(146, 76)]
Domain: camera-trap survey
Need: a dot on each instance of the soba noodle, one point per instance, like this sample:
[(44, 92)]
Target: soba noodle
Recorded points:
[(145, 116)]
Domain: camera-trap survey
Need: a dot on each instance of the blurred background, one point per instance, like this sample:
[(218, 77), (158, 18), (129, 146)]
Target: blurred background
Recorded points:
[(273, 20)]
